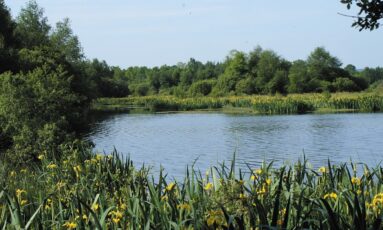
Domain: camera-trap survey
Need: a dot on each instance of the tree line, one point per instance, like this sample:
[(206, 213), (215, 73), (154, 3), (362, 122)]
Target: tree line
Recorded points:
[(257, 72)]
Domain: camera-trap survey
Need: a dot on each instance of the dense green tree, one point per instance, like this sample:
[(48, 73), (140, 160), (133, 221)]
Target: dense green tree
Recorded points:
[(101, 79), (298, 78), (344, 84), (254, 57), (246, 86), (32, 26), (268, 65), (201, 88), (141, 89), (8, 41), (372, 75), (351, 69), (64, 40), (278, 84), (7, 27), (320, 64), (235, 70), (38, 110)]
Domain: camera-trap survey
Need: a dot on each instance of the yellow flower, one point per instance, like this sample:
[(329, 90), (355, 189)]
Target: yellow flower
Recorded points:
[(356, 180), (261, 191), (330, 195), (216, 217), (60, 184), (279, 222), (377, 200), (95, 207), (170, 186), (268, 181), (322, 170), (19, 192), (48, 205), (52, 166), (258, 171), (164, 198), (208, 186), (23, 202), (242, 196), (116, 220), (117, 214), (70, 225), (123, 206), (77, 170), (23, 170), (84, 217), (253, 177), (13, 174), (40, 157), (185, 206), (99, 157)]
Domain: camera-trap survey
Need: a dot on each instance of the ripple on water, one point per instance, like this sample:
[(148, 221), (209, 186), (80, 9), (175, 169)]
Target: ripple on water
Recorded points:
[(176, 140)]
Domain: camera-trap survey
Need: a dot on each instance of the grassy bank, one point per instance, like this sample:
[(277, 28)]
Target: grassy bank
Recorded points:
[(291, 104), (105, 192)]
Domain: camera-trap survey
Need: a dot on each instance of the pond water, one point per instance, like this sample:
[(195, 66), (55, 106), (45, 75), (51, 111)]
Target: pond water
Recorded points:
[(177, 140)]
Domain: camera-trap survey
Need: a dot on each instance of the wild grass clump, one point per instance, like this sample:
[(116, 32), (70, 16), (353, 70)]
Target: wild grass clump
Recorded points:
[(262, 104), (106, 192)]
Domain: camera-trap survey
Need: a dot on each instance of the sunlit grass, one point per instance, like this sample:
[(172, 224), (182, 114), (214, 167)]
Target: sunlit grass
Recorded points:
[(290, 104), (98, 191)]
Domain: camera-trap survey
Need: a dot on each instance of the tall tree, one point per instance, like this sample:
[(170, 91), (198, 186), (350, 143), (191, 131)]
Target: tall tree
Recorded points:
[(268, 65), (235, 70), (321, 64), (298, 77), (8, 41), (64, 40), (32, 26)]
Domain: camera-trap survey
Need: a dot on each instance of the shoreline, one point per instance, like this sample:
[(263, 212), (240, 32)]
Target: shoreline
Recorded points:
[(318, 103)]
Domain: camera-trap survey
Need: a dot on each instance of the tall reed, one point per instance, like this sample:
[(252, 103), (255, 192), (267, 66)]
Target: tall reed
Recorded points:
[(290, 104), (108, 192)]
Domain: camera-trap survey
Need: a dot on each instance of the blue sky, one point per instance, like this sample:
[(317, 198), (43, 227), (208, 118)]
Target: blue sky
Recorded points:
[(153, 33)]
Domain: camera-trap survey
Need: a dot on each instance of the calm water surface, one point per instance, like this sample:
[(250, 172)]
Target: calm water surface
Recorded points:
[(177, 140)]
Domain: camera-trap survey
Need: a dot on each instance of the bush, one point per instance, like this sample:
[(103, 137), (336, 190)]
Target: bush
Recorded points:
[(140, 89), (344, 85), (39, 110), (201, 88)]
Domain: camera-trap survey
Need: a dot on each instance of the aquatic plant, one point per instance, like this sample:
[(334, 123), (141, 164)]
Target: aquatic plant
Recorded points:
[(263, 104), (107, 192)]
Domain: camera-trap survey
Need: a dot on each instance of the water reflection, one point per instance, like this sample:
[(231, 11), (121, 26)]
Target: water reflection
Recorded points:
[(176, 140)]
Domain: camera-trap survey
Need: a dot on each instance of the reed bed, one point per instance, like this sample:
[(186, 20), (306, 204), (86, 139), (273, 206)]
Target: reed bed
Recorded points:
[(290, 104), (83, 191)]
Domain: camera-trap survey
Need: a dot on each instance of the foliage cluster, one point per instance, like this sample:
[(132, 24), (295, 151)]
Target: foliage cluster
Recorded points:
[(257, 72), (46, 84)]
